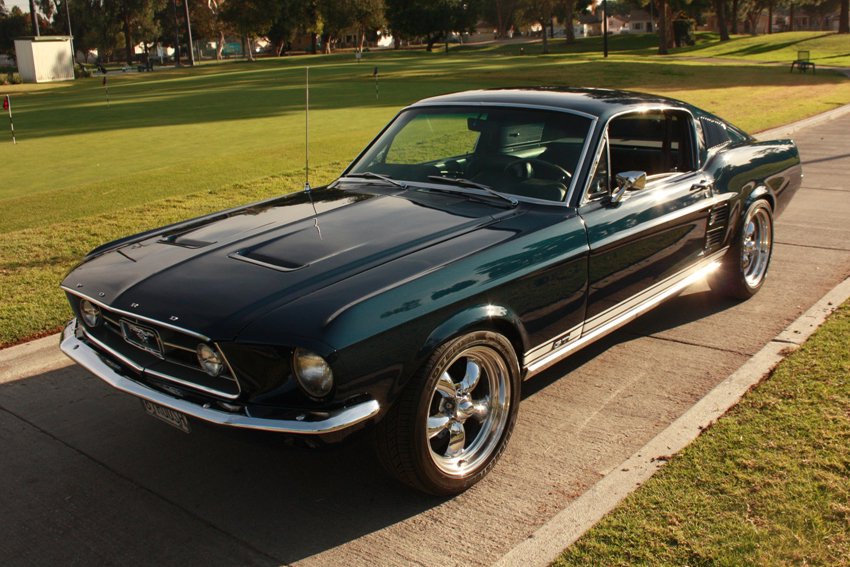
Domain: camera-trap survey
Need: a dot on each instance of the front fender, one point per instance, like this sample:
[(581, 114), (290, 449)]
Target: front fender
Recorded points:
[(491, 317)]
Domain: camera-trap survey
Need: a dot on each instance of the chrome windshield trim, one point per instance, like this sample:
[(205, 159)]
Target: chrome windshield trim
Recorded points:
[(136, 315), (90, 359)]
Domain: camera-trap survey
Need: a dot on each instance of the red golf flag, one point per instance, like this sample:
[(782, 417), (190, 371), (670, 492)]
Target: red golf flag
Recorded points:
[(6, 102)]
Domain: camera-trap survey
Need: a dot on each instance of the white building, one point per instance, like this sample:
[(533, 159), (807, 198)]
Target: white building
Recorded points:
[(44, 59)]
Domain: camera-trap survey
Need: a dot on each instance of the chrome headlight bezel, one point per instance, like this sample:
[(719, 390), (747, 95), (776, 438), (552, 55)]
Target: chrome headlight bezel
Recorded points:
[(313, 373), (210, 360), (90, 313)]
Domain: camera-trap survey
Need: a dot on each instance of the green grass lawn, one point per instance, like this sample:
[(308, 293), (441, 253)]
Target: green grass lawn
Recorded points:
[(766, 485), (176, 143)]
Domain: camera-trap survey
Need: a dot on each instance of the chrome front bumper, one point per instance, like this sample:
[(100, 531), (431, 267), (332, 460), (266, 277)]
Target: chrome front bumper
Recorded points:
[(92, 360)]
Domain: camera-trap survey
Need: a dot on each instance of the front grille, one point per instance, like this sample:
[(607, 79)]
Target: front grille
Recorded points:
[(177, 361)]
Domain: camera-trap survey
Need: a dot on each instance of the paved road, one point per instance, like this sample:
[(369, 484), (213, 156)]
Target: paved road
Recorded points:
[(88, 478)]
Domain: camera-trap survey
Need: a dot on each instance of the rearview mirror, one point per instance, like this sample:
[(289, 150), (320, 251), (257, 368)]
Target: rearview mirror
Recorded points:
[(628, 181)]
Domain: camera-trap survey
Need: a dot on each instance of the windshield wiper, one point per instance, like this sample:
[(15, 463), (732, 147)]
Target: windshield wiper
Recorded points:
[(461, 182), (370, 175)]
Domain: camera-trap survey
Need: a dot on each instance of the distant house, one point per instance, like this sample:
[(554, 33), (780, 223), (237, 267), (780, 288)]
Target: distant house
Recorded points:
[(639, 21)]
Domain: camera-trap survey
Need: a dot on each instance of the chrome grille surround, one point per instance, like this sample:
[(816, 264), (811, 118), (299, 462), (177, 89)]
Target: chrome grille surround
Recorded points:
[(178, 361)]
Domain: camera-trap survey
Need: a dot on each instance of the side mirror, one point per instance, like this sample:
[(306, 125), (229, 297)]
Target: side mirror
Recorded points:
[(628, 181)]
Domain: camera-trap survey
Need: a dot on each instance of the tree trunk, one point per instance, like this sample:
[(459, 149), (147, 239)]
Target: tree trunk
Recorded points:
[(430, 46), (128, 48), (791, 17), (545, 35), (219, 48), (500, 22), (770, 18), (314, 43), (569, 10), (662, 27), (735, 16), (844, 17), (720, 11)]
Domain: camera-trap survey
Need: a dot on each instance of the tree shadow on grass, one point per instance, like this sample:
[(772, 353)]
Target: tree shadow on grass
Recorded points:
[(246, 91)]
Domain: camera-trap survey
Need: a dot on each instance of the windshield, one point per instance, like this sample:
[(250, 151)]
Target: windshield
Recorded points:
[(527, 153)]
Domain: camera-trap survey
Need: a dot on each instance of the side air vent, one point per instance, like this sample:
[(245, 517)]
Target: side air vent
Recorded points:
[(718, 220)]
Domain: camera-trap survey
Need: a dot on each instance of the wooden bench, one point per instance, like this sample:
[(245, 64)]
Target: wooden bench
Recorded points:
[(803, 63)]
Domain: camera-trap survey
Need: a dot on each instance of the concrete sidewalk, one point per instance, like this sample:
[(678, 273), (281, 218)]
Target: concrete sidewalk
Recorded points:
[(89, 478)]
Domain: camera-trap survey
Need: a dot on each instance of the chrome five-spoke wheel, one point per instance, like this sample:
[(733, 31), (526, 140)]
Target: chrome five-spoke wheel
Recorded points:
[(757, 240), (468, 411), (453, 421), (744, 268)]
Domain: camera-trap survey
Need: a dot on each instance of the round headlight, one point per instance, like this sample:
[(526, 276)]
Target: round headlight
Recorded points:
[(90, 313), (313, 373), (210, 360)]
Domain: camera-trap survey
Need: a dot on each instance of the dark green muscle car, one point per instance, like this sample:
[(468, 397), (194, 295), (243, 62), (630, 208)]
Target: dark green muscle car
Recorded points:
[(479, 239)]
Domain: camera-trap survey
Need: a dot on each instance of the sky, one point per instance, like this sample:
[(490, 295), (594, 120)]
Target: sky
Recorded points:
[(22, 4)]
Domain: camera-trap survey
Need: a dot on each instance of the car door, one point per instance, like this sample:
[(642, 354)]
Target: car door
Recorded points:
[(649, 240)]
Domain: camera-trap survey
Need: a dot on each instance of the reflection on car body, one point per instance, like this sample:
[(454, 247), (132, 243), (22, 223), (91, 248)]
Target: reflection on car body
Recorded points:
[(479, 239)]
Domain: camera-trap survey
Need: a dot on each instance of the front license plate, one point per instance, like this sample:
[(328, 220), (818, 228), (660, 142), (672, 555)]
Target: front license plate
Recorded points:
[(142, 337), (168, 415)]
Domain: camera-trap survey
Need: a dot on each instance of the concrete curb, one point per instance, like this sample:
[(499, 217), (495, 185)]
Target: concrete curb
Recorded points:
[(550, 539), (788, 129), (29, 359)]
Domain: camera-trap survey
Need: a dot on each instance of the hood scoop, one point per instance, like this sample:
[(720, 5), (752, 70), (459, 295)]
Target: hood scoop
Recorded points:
[(294, 251)]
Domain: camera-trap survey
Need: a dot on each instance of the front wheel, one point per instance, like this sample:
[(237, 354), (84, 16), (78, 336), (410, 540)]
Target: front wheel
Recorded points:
[(745, 265), (453, 421)]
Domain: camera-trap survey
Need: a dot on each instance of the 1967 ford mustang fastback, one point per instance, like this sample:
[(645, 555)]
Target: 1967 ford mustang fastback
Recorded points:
[(479, 239)]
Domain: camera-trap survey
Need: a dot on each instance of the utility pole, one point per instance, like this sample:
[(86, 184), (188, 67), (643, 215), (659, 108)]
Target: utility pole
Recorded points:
[(189, 28)]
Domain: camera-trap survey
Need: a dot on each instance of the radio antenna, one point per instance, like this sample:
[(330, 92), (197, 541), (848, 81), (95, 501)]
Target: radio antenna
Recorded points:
[(307, 130)]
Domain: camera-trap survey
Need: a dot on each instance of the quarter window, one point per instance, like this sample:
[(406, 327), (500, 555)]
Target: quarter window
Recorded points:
[(657, 142)]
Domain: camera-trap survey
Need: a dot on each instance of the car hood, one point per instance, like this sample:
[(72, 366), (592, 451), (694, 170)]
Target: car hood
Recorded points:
[(216, 274)]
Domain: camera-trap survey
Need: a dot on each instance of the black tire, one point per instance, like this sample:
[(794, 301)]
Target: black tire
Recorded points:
[(744, 267), (441, 437)]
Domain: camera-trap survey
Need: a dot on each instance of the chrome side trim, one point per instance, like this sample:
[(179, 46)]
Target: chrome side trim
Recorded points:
[(136, 315), (168, 377), (89, 359), (708, 265), (646, 294)]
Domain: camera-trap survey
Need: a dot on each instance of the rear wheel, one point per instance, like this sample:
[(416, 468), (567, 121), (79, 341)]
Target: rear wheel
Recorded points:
[(454, 419), (745, 266)]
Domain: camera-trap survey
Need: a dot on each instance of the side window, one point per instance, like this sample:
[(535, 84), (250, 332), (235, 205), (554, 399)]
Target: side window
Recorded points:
[(600, 181), (657, 142)]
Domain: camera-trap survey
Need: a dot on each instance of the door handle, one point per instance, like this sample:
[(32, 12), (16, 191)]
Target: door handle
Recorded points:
[(703, 185)]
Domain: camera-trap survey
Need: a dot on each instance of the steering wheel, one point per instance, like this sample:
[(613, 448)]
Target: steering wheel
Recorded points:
[(527, 168)]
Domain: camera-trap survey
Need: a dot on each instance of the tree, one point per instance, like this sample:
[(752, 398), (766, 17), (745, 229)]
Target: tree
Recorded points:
[(13, 24), (137, 21), (843, 18), (540, 11), (250, 18), (432, 19)]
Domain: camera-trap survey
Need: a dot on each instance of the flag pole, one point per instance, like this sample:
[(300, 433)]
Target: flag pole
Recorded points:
[(7, 105)]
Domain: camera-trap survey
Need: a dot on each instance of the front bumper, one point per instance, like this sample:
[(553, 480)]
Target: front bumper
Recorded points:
[(305, 424)]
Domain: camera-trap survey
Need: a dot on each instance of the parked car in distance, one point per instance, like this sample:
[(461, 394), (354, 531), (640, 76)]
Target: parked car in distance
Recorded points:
[(479, 239)]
